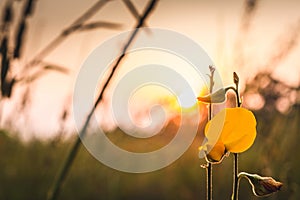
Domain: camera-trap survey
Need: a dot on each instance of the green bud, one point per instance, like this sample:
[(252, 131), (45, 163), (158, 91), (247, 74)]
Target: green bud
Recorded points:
[(236, 78)]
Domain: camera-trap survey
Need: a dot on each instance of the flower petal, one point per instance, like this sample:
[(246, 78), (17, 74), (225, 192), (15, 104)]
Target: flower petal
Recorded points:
[(239, 129), (217, 152), (212, 153)]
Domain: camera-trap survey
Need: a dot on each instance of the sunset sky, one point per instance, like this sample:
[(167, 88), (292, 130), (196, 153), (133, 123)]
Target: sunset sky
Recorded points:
[(215, 25)]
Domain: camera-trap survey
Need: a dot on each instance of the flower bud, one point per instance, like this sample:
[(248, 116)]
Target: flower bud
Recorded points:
[(262, 186)]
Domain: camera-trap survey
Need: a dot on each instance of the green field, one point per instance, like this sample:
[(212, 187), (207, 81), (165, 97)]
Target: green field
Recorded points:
[(29, 169)]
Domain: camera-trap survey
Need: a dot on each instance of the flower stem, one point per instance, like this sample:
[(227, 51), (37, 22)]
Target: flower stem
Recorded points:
[(235, 177), (209, 186), (209, 166), (236, 159), (209, 181)]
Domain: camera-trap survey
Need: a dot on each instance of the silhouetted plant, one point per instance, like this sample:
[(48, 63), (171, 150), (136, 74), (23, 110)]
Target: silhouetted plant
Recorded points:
[(232, 130)]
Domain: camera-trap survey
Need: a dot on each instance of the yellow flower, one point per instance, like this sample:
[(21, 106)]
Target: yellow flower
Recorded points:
[(231, 130)]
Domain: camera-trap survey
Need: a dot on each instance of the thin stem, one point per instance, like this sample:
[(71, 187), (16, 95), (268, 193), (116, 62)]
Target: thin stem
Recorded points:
[(209, 166), (235, 177), (54, 191), (238, 102), (236, 160), (209, 181), (209, 177)]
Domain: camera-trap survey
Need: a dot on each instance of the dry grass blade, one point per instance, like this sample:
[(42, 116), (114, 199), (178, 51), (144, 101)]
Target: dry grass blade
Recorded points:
[(43, 71), (93, 25), (33, 77), (250, 8), (62, 36), (132, 9), (100, 24), (90, 12), (134, 12), (57, 68), (7, 17), (4, 40), (29, 8), (7, 87), (4, 61), (19, 40), (53, 193), (285, 47), (7, 14)]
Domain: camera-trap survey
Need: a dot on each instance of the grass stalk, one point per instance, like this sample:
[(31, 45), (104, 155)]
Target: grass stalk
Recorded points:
[(54, 191), (63, 35)]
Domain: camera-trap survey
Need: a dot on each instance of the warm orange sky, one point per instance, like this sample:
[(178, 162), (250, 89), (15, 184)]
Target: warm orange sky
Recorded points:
[(210, 23), (213, 24)]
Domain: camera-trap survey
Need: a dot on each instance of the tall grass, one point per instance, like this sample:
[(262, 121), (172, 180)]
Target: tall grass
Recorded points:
[(53, 193)]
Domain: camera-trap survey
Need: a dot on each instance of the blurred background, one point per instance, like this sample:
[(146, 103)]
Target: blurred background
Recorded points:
[(44, 43)]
